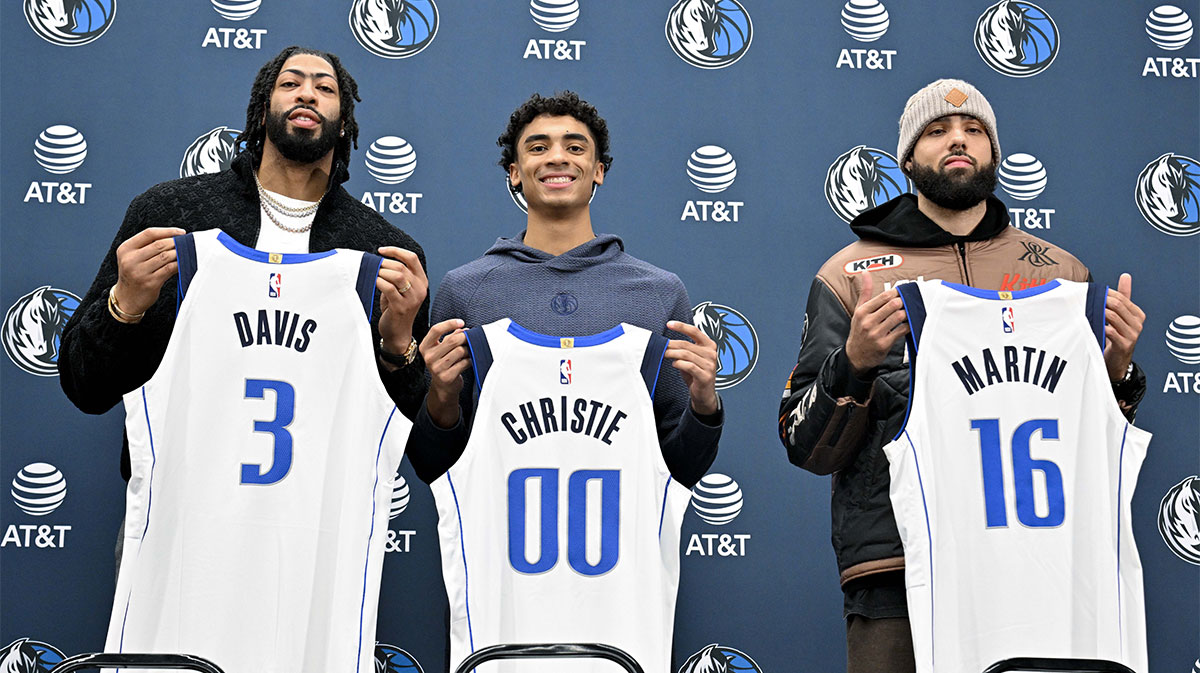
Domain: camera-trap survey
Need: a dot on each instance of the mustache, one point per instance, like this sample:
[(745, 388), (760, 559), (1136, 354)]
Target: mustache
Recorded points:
[(302, 106), (956, 153)]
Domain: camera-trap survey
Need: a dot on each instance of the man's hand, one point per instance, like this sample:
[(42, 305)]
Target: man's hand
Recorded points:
[(402, 289), (144, 262), (1122, 325), (697, 363), (446, 358), (876, 324)]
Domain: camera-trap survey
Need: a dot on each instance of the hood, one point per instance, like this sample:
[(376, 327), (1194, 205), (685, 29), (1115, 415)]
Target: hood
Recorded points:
[(899, 222), (599, 250)]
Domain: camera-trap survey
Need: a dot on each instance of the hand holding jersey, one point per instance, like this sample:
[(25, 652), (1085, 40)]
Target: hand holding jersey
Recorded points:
[(402, 289), (144, 262), (877, 322), (1123, 322)]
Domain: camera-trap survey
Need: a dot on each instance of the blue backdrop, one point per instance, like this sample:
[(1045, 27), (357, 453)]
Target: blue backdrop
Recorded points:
[(1098, 115)]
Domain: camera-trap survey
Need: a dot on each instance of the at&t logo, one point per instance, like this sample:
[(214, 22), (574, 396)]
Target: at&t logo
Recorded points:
[(60, 149), (861, 179), (391, 160), (737, 342), (33, 329), (29, 656), (392, 659), (1016, 38), (399, 540), (1023, 178), (210, 152), (38, 490), (70, 23), (717, 500), (1179, 519), (712, 170), (1170, 28), (719, 659), (1168, 194), (709, 34), (394, 28), (865, 21), (554, 16), (236, 38), (1183, 341)]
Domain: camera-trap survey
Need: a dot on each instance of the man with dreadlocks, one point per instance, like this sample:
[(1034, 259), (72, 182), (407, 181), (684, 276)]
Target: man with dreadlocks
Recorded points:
[(560, 278), (282, 193)]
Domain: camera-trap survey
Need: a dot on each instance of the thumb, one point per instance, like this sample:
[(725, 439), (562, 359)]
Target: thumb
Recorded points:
[(1125, 285), (867, 289)]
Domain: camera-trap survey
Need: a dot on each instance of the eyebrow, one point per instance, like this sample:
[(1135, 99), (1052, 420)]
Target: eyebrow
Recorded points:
[(540, 137), (301, 73)]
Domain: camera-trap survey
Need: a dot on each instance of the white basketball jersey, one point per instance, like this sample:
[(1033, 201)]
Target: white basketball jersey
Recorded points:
[(1012, 480), (263, 452), (560, 522)]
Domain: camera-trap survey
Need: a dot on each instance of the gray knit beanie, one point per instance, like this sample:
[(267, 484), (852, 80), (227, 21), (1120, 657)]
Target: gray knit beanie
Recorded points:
[(941, 98)]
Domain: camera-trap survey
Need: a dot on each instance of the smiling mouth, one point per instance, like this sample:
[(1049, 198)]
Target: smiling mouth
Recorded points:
[(557, 180)]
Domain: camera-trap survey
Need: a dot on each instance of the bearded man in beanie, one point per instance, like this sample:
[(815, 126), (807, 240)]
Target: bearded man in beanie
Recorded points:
[(847, 395)]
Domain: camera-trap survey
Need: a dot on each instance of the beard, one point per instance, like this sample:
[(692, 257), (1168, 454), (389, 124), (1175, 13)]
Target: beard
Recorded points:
[(952, 189), (302, 145)]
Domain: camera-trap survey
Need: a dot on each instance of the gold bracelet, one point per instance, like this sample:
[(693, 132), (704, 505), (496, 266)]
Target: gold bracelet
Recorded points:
[(115, 310)]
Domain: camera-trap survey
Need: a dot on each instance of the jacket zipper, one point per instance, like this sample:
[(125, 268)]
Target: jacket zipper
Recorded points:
[(962, 260)]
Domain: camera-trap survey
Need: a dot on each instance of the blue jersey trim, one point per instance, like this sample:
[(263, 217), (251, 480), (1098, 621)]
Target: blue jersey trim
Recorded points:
[(265, 257), (462, 543), (362, 608), (995, 295), (663, 514), (1120, 502), (914, 313), (1097, 301), (529, 336), (481, 355), (929, 537), (652, 361), (368, 271), (185, 257)]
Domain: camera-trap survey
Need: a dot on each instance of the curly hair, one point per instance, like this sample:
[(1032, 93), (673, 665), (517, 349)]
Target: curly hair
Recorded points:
[(255, 132), (561, 104)]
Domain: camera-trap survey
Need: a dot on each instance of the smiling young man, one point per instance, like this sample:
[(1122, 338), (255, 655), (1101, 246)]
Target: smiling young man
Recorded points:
[(847, 395), (282, 193), (560, 278)]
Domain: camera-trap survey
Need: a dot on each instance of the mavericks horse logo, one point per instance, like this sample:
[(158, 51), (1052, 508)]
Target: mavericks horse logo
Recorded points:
[(1179, 519), (392, 659), (861, 179), (28, 656), (737, 342), (709, 34), (1168, 194), (212, 152), (1016, 38), (719, 659), (394, 28), (70, 23), (33, 329)]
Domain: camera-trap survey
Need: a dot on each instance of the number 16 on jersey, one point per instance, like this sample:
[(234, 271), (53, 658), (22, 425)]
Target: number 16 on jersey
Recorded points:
[(1023, 468)]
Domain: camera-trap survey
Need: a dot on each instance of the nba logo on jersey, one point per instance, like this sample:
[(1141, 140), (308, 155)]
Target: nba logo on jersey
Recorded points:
[(1006, 319), (564, 372), (274, 285)]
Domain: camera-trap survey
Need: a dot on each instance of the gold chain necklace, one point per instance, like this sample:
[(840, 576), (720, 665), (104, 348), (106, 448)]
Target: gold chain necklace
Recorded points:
[(284, 210)]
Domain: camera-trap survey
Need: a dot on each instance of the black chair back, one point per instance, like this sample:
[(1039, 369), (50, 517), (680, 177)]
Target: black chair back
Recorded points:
[(580, 650), (1024, 664), (184, 662)]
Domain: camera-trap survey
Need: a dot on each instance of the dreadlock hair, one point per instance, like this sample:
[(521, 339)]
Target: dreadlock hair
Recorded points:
[(562, 104), (255, 132)]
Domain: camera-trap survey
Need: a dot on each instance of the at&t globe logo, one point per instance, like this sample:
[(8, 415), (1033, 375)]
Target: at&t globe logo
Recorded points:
[(236, 10), (1183, 339), (211, 152), (399, 540), (719, 659), (392, 659), (391, 160), (1022, 176), (1168, 194), (1179, 519), (29, 656), (400, 497), (709, 34), (861, 179), (38, 489), (33, 329), (737, 342), (1169, 27), (712, 170), (59, 150), (554, 16), (1016, 38), (394, 28), (717, 499), (70, 23), (865, 20)]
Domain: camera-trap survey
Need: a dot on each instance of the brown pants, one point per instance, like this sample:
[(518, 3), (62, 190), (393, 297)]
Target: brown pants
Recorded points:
[(879, 645)]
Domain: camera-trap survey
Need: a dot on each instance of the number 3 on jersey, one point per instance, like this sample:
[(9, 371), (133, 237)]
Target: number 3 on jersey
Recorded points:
[(577, 520), (1023, 467), (285, 409)]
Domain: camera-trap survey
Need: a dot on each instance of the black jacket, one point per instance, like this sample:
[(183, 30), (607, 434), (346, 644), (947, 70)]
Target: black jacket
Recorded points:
[(101, 359)]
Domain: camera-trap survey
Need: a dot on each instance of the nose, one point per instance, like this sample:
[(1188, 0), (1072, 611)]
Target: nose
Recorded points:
[(957, 135), (557, 154), (305, 93)]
